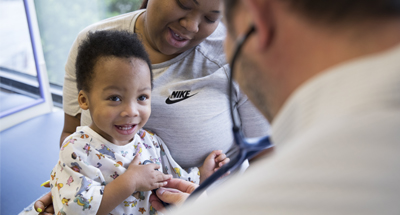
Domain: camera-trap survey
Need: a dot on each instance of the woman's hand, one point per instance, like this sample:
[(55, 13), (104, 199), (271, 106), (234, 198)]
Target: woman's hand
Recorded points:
[(175, 192), (44, 205), (212, 163)]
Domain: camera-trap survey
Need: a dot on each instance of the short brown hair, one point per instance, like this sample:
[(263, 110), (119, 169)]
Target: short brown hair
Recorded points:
[(337, 11)]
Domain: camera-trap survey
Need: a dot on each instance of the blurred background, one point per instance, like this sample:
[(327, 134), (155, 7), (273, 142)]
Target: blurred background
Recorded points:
[(60, 21)]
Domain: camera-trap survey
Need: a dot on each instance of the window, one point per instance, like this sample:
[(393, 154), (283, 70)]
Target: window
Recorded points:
[(60, 22), (24, 91), (55, 26), (16, 55)]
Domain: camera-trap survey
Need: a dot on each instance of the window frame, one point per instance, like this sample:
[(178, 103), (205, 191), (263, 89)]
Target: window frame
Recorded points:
[(43, 104)]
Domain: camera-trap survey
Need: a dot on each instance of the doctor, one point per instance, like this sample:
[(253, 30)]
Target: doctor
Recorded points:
[(327, 75)]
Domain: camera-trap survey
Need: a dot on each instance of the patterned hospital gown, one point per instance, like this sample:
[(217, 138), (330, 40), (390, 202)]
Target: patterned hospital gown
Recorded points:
[(88, 162)]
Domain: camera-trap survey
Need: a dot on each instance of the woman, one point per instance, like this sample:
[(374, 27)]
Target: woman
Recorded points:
[(190, 78), (184, 39)]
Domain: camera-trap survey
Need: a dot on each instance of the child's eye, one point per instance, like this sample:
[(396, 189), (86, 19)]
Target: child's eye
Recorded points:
[(142, 98), (114, 99)]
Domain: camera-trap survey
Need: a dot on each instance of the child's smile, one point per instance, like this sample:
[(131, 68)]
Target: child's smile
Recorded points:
[(126, 129)]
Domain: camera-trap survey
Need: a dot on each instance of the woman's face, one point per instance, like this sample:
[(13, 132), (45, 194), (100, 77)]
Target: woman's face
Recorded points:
[(174, 26)]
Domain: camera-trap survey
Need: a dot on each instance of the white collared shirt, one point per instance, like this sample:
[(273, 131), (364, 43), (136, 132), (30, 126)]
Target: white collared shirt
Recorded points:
[(337, 148)]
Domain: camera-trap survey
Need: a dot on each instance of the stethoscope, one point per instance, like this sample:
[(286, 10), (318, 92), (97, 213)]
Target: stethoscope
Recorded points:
[(248, 147)]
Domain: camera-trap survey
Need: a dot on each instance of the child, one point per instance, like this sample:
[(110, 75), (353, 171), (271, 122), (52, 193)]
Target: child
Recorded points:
[(112, 165)]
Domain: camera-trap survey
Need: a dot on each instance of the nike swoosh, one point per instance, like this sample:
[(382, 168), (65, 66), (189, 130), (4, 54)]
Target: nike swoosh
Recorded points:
[(169, 101)]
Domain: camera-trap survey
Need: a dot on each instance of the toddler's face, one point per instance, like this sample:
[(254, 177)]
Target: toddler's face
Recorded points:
[(119, 99)]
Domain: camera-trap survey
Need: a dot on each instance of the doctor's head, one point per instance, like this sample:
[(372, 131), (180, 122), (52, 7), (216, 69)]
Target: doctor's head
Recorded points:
[(295, 40)]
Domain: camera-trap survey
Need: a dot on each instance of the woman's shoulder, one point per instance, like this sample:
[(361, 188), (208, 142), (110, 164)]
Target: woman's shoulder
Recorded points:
[(219, 34), (124, 21), (212, 47)]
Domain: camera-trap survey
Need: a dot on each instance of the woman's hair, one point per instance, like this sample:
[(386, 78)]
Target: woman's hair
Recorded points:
[(121, 44), (336, 11), (144, 4)]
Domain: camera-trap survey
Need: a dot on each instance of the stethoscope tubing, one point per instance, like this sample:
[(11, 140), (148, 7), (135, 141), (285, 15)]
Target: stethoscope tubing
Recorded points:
[(248, 147)]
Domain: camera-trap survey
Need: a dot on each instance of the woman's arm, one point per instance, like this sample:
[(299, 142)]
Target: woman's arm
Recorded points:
[(72, 111), (70, 124), (44, 204)]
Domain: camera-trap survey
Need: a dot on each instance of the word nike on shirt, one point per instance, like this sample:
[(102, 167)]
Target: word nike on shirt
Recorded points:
[(177, 96)]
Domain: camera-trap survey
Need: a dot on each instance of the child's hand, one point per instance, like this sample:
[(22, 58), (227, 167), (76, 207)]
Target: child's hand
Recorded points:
[(212, 163), (146, 176)]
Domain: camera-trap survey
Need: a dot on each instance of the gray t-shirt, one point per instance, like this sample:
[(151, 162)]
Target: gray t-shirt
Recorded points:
[(190, 107)]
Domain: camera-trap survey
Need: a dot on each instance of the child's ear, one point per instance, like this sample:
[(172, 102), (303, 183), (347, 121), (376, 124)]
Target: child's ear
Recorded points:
[(83, 100)]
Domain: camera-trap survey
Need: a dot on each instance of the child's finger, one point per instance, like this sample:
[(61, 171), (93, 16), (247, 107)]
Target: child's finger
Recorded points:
[(136, 159), (220, 157), (158, 185), (161, 177), (153, 166), (214, 154), (224, 162)]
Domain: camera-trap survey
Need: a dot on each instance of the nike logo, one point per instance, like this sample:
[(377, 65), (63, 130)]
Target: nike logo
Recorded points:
[(177, 96)]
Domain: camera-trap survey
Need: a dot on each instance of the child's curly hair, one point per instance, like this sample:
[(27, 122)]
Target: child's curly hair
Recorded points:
[(106, 43)]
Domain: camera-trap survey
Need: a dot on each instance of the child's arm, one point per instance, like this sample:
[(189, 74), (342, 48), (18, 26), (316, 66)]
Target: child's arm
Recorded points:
[(75, 190), (135, 178), (212, 163)]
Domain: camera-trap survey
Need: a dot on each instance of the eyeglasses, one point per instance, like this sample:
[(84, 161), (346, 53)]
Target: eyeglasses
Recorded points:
[(248, 147)]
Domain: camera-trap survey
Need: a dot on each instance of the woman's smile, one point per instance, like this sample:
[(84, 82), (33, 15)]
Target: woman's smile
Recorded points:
[(176, 40)]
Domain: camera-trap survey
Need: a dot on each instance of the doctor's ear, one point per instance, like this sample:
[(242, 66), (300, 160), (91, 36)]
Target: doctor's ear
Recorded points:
[(263, 19), (83, 100)]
